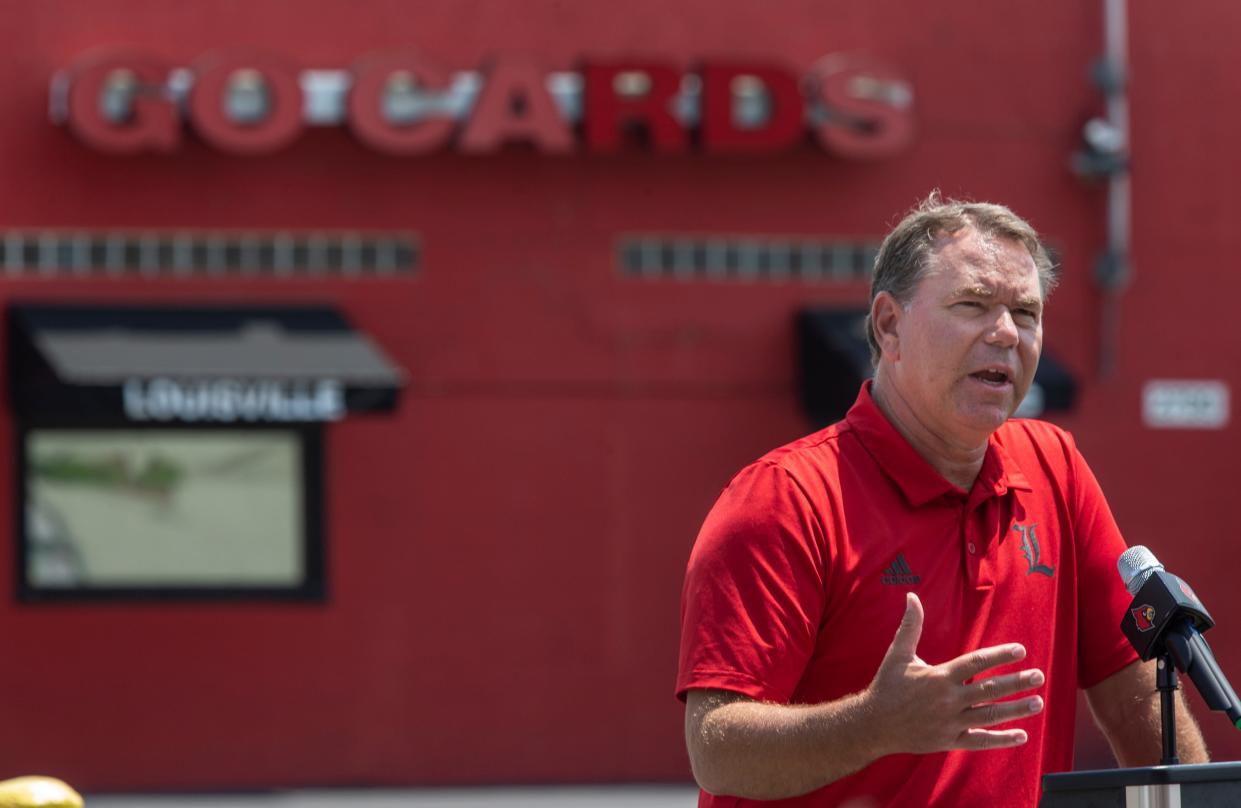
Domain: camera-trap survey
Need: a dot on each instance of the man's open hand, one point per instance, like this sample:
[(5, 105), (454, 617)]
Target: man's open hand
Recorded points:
[(932, 708)]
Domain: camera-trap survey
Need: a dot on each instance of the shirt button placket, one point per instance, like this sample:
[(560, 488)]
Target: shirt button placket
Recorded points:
[(972, 561)]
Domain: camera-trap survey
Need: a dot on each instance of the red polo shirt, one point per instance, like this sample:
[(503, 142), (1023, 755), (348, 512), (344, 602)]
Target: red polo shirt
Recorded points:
[(797, 583)]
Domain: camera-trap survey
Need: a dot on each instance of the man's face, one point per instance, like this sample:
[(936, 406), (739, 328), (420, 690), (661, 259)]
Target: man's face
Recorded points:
[(969, 340)]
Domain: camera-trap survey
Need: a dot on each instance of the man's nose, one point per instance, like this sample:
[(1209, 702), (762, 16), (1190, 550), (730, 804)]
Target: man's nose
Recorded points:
[(1003, 331)]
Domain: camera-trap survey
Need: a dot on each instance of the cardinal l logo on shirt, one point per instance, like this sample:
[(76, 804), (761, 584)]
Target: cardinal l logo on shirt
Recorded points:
[(1030, 548)]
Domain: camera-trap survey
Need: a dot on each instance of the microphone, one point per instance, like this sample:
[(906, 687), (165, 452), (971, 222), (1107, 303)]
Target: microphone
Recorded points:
[(1167, 617), (1136, 565)]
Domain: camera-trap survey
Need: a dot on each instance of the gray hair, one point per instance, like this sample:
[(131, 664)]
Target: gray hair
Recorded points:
[(905, 255)]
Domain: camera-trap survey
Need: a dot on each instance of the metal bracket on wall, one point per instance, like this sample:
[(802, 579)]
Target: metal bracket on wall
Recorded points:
[(1105, 156)]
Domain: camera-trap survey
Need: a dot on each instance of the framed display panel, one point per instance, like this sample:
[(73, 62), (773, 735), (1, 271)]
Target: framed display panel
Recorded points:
[(177, 513)]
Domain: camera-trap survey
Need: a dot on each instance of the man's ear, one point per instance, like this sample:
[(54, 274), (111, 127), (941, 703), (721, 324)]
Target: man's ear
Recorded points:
[(885, 319)]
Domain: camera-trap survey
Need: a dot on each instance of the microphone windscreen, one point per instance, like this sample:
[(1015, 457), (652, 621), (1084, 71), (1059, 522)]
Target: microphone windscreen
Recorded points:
[(1136, 565)]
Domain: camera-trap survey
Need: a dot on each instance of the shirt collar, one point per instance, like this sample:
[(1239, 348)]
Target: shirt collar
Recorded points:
[(915, 477)]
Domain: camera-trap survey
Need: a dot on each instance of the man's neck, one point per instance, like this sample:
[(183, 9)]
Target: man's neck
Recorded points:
[(958, 463)]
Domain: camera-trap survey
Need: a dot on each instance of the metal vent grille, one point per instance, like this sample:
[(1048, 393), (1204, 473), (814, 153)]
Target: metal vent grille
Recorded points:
[(58, 253), (747, 258)]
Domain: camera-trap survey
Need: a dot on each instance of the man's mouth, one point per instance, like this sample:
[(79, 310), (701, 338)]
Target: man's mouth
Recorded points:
[(993, 376)]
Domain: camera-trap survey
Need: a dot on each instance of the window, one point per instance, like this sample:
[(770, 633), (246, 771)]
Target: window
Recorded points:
[(167, 512), (176, 451)]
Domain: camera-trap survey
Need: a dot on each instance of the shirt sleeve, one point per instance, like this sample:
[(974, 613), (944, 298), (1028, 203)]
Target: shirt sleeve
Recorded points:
[(754, 590), (1102, 597)]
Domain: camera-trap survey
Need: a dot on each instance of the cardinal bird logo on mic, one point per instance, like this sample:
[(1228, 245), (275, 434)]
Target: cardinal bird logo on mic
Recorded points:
[(1144, 617)]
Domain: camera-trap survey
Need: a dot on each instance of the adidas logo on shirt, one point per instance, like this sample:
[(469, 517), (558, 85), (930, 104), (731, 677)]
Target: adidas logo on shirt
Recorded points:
[(898, 573)]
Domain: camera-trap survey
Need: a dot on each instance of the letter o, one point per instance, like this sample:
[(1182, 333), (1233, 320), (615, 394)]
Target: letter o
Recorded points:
[(282, 123)]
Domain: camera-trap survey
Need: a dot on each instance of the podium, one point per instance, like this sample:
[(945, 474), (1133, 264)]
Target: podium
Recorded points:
[(1206, 785)]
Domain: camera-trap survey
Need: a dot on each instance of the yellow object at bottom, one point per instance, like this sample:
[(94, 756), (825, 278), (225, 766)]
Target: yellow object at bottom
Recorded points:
[(38, 792)]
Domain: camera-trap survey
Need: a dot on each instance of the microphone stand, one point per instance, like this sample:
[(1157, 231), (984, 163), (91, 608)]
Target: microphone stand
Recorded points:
[(1166, 682)]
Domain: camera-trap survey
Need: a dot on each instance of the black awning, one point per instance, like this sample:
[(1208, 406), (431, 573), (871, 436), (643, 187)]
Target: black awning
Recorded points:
[(835, 359), (200, 364)]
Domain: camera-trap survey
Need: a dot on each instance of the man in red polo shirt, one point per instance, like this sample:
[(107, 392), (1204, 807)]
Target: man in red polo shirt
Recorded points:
[(899, 610)]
